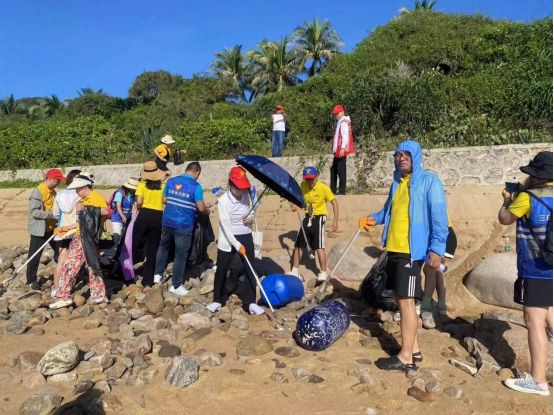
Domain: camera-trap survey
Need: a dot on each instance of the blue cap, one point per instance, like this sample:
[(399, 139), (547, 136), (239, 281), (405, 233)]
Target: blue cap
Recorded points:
[(310, 172)]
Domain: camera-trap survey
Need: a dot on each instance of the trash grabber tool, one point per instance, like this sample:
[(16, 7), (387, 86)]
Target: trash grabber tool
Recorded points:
[(308, 247)]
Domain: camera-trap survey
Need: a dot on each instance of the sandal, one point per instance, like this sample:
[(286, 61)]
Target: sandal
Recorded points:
[(394, 363)]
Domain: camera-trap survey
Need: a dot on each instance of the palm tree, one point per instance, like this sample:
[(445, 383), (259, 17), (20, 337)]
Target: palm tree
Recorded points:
[(230, 64), (52, 104), (421, 5), (88, 91), (317, 42), (9, 106), (274, 66)]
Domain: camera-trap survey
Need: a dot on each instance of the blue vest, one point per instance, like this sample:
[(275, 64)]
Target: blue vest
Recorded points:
[(530, 261), (127, 203), (180, 208)]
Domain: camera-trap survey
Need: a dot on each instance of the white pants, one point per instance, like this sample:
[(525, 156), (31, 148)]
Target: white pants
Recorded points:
[(117, 228)]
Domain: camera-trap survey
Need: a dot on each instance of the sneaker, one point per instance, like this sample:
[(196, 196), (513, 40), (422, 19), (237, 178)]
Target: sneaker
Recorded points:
[(34, 286), (417, 357), (428, 320), (394, 363), (64, 302), (321, 277), (526, 384), (54, 292), (157, 278), (255, 309), (213, 307), (443, 310), (179, 291), (100, 300)]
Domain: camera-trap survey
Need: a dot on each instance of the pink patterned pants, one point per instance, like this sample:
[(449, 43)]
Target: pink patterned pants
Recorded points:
[(70, 269)]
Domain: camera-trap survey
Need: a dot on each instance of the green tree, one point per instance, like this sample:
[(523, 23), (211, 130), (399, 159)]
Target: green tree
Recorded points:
[(422, 5), (231, 64), (88, 91), (274, 66), (9, 106), (317, 42), (151, 84)]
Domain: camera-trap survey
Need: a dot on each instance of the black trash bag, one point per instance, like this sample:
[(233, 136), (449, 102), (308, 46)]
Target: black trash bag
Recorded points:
[(373, 286), (90, 229), (178, 158), (203, 237)]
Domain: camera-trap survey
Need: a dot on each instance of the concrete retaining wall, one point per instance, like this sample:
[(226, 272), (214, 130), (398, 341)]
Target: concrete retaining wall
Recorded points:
[(455, 166)]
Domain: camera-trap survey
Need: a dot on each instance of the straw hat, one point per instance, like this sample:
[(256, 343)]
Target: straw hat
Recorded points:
[(131, 183), (151, 172), (167, 139)]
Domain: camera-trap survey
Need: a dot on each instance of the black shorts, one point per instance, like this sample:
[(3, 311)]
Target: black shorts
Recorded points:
[(533, 292), (63, 244), (451, 243), (315, 232), (404, 275)]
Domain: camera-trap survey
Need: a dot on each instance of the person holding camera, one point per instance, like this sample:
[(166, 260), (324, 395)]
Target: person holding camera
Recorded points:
[(530, 206)]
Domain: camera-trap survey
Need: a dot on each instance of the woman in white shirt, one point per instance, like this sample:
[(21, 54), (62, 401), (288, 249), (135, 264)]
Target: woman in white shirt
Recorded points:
[(235, 236), (278, 119)]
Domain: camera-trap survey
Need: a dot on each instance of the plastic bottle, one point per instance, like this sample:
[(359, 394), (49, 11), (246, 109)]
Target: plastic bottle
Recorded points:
[(507, 246), (443, 268)]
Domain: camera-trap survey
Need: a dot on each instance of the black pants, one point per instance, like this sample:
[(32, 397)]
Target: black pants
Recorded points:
[(247, 288), (147, 232), (34, 245), (338, 168)]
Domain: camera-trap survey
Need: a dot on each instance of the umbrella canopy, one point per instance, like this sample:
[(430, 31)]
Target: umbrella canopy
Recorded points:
[(274, 177)]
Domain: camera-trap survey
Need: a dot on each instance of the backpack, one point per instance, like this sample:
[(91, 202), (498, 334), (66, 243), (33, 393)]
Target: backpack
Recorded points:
[(546, 245), (111, 203), (178, 157), (373, 286)]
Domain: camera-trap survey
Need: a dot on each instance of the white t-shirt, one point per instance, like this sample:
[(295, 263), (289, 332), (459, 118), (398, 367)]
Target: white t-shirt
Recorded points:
[(231, 212), (278, 122)]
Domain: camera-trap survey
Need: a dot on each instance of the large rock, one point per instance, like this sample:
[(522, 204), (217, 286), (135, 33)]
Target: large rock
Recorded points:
[(28, 361), (355, 265), (139, 346), (194, 320), (59, 359), (27, 302), (182, 372), (40, 405), (253, 346), (154, 300), (492, 281), (506, 341)]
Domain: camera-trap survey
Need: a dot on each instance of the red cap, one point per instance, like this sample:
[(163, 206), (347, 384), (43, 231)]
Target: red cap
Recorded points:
[(55, 174), (237, 175), (337, 109), (279, 108)]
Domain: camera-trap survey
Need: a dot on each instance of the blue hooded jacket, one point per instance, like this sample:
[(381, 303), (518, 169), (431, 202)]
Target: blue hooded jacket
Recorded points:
[(428, 218)]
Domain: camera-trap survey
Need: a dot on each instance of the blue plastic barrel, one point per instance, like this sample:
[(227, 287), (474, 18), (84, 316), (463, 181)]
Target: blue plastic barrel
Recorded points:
[(320, 327), (282, 289)]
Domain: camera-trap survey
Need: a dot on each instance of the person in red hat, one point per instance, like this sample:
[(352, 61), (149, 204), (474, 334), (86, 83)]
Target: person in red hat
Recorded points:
[(235, 236), (279, 121), (42, 222), (343, 145)]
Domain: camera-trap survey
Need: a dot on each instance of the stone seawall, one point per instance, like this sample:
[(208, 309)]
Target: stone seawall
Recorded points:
[(491, 165)]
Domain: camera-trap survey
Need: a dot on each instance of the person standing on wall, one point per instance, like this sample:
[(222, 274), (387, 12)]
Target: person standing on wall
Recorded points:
[(415, 231), (343, 145), (279, 120), (42, 221), (531, 209)]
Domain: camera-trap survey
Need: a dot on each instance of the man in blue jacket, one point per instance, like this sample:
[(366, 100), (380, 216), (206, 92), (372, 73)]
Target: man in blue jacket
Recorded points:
[(416, 228)]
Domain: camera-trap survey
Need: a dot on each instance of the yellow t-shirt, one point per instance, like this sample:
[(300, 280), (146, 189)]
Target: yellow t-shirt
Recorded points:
[(317, 197), (399, 226), (151, 199), (449, 221), (96, 200), (48, 196), (162, 150), (521, 206)]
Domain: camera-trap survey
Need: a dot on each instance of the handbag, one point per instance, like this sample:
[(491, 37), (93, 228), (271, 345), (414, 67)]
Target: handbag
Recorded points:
[(258, 238)]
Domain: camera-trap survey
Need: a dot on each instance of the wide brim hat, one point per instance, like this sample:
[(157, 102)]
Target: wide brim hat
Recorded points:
[(540, 167), (81, 180), (151, 172), (167, 139), (131, 183)]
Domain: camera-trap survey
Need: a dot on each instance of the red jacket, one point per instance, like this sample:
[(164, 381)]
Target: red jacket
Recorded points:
[(338, 139)]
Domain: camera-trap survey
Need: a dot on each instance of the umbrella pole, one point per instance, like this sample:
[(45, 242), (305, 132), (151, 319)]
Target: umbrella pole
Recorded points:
[(257, 201), (258, 282)]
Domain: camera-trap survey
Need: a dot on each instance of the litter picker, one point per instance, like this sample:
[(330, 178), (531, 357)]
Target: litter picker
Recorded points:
[(308, 247)]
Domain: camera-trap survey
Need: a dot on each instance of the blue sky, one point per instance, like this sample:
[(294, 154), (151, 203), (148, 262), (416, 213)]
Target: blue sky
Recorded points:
[(58, 47)]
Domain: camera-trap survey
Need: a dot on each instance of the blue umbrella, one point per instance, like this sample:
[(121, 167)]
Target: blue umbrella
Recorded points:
[(274, 177)]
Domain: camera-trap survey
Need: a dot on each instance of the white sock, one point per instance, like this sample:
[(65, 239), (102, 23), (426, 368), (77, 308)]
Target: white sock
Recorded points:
[(213, 307), (294, 271), (255, 309)]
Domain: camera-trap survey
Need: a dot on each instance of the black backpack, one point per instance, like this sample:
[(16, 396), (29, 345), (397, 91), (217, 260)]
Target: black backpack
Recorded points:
[(373, 286), (546, 245), (178, 158)]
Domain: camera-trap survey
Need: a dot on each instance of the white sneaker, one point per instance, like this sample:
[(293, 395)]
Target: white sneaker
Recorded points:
[(255, 309), (526, 384), (213, 307), (54, 292), (321, 277), (179, 291), (157, 278), (64, 302), (100, 300)]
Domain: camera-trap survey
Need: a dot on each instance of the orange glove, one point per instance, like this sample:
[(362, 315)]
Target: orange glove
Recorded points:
[(242, 250), (61, 230), (365, 223)]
